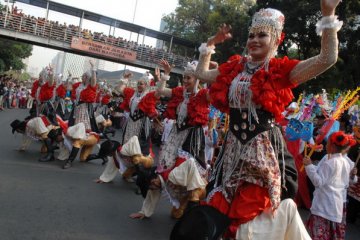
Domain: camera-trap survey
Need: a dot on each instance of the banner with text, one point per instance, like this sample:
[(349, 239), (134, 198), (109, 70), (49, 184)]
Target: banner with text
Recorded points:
[(102, 49)]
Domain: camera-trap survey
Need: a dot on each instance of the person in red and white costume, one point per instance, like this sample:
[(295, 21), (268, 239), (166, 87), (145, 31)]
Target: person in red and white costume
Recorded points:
[(254, 177), (44, 93), (181, 169), (76, 138), (84, 95), (61, 89), (140, 104), (38, 129), (123, 159)]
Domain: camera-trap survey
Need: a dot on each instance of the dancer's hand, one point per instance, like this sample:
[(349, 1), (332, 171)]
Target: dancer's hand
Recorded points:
[(328, 7), (127, 75), (222, 34), (91, 63), (166, 66), (98, 180), (353, 172), (157, 73), (137, 215), (306, 161)]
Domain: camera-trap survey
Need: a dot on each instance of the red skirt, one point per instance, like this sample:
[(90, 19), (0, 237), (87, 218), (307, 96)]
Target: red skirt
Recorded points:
[(249, 201)]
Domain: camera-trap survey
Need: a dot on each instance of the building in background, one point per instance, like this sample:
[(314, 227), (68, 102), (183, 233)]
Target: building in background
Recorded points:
[(64, 62)]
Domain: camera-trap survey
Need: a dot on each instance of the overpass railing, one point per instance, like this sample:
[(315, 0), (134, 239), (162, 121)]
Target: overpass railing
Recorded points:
[(61, 32)]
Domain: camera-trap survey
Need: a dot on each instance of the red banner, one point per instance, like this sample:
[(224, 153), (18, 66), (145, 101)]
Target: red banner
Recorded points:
[(102, 49)]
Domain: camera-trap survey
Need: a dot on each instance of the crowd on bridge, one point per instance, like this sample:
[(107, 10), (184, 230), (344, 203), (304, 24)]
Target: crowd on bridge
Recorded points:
[(16, 20), (237, 154)]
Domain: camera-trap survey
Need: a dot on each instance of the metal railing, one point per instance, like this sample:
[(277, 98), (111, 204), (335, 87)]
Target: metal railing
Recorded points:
[(53, 30)]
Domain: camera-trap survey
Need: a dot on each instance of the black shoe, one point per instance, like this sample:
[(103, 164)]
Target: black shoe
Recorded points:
[(92, 157), (67, 165), (72, 156), (50, 151), (49, 157), (191, 204)]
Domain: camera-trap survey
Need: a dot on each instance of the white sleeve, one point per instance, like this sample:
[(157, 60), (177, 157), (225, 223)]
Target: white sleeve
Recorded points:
[(150, 202), (110, 171), (319, 175)]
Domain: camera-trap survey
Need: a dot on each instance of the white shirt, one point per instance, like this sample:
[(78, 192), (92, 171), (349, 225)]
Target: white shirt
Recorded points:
[(330, 178)]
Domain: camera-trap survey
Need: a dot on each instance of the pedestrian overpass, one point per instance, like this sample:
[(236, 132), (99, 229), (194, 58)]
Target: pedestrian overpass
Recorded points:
[(74, 39)]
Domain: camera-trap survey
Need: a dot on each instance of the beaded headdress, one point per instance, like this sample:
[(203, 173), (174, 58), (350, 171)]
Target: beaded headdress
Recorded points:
[(44, 74), (190, 68), (269, 20), (146, 77), (272, 21)]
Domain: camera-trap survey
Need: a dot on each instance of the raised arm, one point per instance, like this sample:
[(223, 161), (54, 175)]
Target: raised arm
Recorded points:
[(162, 90), (93, 74), (202, 69), (51, 79), (68, 79), (327, 28)]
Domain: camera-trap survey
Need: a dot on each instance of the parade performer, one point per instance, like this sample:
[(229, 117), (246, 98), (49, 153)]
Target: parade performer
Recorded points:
[(181, 167), (124, 159), (254, 165), (84, 95), (61, 89), (331, 178), (189, 107), (43, 91), (183, 186), (353, 207), (140, 104), (77, 137), (38, 129)]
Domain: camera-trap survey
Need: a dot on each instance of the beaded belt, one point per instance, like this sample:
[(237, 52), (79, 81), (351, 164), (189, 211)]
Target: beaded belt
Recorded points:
[(245, 130), (138, 114)]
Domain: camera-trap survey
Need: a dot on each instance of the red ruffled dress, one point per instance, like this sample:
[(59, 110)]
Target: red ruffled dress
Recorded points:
[(83, 111), (247, 178), (191, 113), (141, 108)]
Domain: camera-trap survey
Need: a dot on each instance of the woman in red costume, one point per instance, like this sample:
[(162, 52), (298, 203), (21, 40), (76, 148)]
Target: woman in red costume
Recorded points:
[(84, 95), (61, 89), (140, 104), (254, 177), (184, 148)]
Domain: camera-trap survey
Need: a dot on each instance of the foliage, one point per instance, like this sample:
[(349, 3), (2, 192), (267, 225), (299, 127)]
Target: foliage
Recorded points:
[(197, 20), (12, 53), (18, 75)]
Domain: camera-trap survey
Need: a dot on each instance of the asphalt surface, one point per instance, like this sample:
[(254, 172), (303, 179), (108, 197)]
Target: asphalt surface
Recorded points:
[(41, 201)]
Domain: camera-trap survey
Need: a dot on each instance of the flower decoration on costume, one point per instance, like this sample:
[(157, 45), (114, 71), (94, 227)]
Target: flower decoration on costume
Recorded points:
[(148, 103), (46, 92), (88, 95), (341, 139), (198, 107), (73, 91), (127, 94), (271, 89), (61, 91), (34, 88), (105, 99)]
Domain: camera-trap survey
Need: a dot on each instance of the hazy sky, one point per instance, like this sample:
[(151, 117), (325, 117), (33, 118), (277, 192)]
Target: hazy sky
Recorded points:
[(148, 13)]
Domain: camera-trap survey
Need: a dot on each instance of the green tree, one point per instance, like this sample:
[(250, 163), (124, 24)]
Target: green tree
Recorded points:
[(12, 53), (301, 17), (197, 20)]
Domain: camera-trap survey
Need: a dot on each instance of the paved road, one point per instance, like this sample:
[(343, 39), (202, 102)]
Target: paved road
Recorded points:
[(41, 201)]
